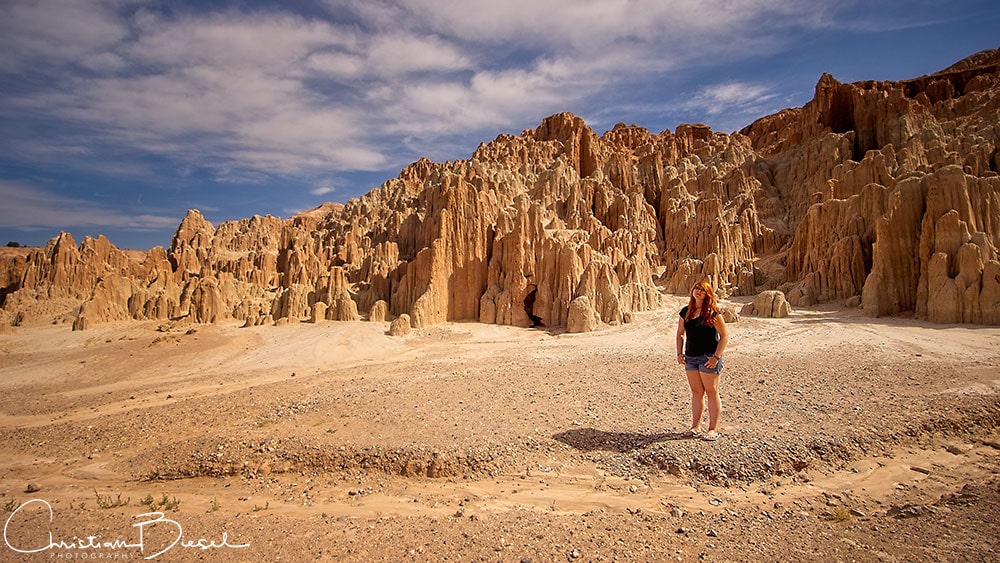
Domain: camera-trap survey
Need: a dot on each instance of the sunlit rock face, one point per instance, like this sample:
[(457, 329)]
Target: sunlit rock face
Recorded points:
[(884, 194)]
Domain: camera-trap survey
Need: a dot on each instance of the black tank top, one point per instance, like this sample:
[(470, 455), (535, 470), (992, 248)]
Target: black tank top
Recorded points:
[(701, 339)]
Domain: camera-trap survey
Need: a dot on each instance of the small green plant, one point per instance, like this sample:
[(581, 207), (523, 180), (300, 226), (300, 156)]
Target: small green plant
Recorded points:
[(11, 505), (165, 503), (105, 501), (169, 504), (257, 508), (153, 475), (215, 504), (839, 514)]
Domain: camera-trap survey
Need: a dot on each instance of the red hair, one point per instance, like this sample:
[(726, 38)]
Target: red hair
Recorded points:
[(710, 306)]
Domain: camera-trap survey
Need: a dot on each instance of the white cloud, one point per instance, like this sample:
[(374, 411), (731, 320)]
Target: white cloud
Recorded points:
[(488, 100), (28, 208), (395, 54), (534, 57), (61, 31), (104, 63), (323, 190), (729, 97), (219, 98), (253, 93), (337, 64), (588, 25), (272, 43)]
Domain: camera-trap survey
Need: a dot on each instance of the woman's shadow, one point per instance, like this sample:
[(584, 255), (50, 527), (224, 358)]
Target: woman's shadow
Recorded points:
[(591, 439)]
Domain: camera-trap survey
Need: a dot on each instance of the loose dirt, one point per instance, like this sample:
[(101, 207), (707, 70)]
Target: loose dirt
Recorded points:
[(844, 438)]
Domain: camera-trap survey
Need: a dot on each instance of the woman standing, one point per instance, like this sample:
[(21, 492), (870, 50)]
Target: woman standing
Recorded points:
[(701, 340)]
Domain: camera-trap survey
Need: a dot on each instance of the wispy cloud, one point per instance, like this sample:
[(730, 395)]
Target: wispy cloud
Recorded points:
[(56, 33), (390, 55), (737, 97), (277, 92), (30, 208), (587, 25)]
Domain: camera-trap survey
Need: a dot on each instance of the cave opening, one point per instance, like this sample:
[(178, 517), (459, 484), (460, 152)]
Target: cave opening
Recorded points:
[(529, 308), (841, 118)]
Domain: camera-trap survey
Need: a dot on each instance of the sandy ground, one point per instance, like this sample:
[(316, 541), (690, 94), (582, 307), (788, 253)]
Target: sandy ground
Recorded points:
[(844, 439)]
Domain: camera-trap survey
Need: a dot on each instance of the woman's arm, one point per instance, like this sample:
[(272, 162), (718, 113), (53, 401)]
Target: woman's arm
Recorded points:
[(720, 326), (680, 340)]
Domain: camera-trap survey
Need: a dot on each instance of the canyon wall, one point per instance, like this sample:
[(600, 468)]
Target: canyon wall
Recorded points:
[(883, 195)]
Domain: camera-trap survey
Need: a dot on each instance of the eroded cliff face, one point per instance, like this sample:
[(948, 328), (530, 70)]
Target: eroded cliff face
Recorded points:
[(880, 194)]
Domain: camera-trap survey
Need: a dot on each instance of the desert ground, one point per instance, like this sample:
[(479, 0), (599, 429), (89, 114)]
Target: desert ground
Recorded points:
[(845, 438)]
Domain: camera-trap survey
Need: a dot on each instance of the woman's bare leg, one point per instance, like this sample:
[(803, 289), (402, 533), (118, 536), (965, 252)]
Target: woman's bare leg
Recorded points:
[(697, 398), (710, 383)]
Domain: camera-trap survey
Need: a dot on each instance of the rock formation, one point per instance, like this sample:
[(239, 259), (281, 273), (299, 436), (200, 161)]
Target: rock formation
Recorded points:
[(884, 194), (582, 317), (400, 326), (770, 304)]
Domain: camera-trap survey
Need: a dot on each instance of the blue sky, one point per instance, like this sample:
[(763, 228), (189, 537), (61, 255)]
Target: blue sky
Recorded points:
[(117, 116)]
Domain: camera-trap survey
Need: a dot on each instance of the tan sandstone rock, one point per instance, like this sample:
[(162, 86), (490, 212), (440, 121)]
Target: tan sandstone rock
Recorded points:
[(770, 304), (400, 326), (582, 316), (379, 312)]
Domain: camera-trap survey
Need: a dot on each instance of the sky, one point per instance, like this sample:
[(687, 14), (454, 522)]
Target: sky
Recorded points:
[(117, 116)]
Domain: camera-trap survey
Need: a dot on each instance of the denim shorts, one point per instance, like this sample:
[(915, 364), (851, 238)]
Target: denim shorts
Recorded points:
[(697, 363)]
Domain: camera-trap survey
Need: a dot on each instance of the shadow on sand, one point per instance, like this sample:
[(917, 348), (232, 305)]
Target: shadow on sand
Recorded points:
[(591, 439)]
